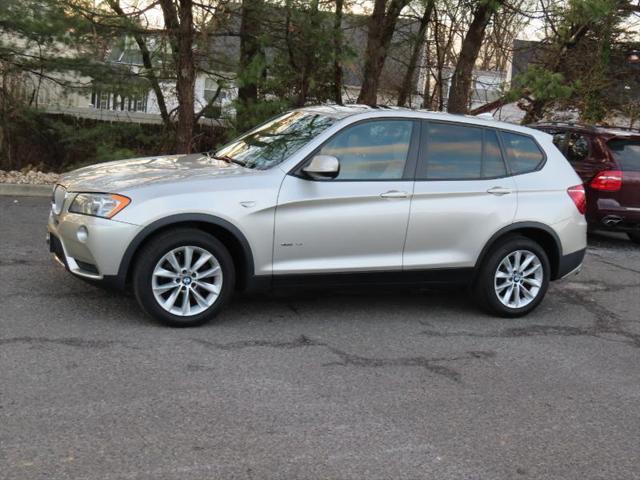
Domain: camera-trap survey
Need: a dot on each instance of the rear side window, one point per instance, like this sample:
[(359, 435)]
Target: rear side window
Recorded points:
[(560, 141), (457, 152), (492, 162), (523, 154), (577, 147), (626, 153)]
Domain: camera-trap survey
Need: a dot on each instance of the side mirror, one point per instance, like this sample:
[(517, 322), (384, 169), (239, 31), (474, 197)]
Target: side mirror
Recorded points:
[(323, 167)]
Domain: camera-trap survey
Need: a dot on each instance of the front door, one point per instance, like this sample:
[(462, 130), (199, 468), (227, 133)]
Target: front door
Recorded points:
[(357, 221)]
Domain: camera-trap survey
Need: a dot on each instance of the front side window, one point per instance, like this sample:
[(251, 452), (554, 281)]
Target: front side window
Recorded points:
[(459, 152), (522, 153), (276, 140), (374, 150)]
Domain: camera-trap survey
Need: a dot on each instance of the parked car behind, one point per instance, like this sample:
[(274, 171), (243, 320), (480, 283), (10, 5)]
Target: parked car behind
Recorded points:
[(608, 161), (331, 195)]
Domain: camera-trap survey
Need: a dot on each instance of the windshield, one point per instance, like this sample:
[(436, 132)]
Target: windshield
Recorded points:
[(276, 140), (626, 153)]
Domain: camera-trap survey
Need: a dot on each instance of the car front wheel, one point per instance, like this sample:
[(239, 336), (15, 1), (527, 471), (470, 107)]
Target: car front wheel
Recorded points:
[(514, 277), (183, 277)]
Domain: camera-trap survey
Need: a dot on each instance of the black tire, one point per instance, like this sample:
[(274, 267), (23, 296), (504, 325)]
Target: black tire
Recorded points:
[(151, 254), (634, 237), (484, 288)]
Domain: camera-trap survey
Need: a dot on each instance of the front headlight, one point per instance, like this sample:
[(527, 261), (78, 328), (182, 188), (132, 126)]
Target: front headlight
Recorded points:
[(104, 205)]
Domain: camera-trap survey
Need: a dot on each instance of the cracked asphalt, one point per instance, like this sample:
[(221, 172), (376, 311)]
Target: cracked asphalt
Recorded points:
[(371, 384)]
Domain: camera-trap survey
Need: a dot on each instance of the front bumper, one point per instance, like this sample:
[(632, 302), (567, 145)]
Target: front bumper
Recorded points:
[(96, 257)]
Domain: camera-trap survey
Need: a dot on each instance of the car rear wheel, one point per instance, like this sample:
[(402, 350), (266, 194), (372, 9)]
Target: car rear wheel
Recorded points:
[(184, 277), (514, 278), (634, 237)]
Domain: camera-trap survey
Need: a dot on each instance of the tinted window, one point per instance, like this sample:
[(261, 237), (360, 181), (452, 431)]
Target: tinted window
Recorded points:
[(492, 162), (276, 140), (560, 140), (457, 152), (522, 152), (375, 150), (626, 153), (577, 147), (453, 152)]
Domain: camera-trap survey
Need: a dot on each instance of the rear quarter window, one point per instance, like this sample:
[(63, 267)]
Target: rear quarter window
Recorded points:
[(626, 153), (523, 153)]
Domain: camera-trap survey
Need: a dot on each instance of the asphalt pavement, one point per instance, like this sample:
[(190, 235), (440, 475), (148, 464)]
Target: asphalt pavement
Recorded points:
[(371, 384)]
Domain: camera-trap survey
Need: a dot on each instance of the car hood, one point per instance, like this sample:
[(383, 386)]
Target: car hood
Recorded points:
[(114, 177)]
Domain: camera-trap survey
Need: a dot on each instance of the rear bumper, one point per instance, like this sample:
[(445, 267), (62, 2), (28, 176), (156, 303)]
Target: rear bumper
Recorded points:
[(608, 214), (570, 264)]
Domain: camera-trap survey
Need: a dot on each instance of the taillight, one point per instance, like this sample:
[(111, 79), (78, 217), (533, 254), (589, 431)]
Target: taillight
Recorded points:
[(607, 181), (579, 198)]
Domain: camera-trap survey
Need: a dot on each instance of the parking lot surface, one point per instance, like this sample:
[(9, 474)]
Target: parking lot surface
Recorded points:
[(370, 384)]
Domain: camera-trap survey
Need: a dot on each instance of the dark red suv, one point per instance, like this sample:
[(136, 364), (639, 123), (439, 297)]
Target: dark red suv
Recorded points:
[(608, 161)]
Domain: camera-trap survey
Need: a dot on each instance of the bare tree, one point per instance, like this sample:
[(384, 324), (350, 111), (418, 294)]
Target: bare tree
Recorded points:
[(338, 74), (382, 24), (251, 59), (406, 88), (462, 76)]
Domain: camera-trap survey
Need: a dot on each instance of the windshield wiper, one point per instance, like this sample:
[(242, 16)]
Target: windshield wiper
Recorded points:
[(227, 159)]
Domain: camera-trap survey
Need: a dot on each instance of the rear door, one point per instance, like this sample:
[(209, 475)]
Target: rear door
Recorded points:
[(579, 150), (462, 195), (582, 155)]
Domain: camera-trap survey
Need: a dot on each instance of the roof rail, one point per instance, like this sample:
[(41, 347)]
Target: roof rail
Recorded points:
[(586, 126), (616, 127), (571, 124)]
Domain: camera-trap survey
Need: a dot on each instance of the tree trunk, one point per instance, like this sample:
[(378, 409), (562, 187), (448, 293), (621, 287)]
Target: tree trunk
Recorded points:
[(381, 27), (179, 25), (250, 52), (406, 88), (186, 83), (461, 81), (338, 74), (308, 63)]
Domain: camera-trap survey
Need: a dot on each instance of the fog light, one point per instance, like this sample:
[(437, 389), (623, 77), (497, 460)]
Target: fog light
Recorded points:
[(82, 234)]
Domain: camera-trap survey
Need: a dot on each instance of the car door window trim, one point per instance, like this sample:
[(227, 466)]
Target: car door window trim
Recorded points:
[(424, 152), (409, 166), (542, 151)]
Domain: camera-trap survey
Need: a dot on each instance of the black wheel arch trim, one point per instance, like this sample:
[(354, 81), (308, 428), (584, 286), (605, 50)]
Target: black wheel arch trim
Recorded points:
[(519, 226), (120, 279)]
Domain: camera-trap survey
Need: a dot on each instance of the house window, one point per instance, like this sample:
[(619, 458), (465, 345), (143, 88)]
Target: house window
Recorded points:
[(114, 101)]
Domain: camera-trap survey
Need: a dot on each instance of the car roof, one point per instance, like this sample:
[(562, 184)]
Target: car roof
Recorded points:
[(602, 130), (364, 111)]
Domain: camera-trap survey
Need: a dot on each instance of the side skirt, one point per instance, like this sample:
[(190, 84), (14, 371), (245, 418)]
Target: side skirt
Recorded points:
[(445, 276)]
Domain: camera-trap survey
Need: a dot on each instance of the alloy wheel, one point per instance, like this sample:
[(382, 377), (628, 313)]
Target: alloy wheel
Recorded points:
[(187, 281), (518, 279)]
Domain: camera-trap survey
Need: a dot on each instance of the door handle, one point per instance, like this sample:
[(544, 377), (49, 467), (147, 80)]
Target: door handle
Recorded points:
[(499, 191), (394, 194)]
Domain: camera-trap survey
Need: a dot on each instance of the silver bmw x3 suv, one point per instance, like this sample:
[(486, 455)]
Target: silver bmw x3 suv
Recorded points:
[(329, 195)]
